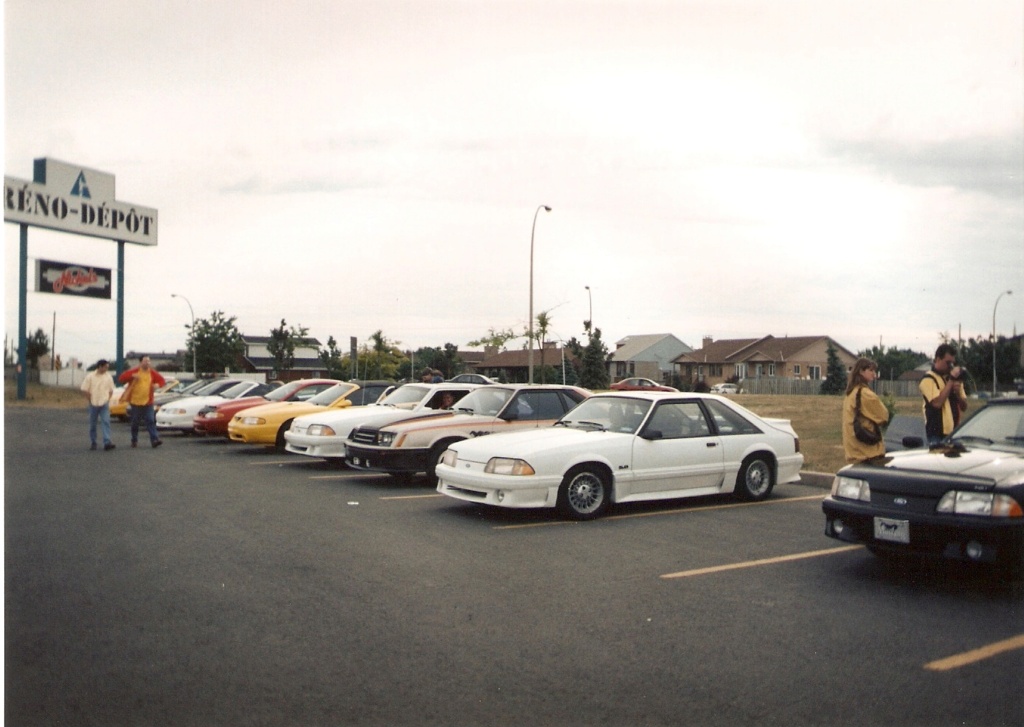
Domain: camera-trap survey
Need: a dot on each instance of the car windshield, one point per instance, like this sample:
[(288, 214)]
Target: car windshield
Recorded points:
[(285, 391), (487, 402), (611, 413), (214, 387), (998, 425), (237, 390), (407, 395), (328, 396), (187, 387)]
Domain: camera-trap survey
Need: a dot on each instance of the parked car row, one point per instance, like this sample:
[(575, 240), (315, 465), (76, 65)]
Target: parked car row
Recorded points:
[(563, 447)]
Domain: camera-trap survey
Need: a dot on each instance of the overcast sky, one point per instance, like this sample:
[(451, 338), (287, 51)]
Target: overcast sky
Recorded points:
[(731, 169)]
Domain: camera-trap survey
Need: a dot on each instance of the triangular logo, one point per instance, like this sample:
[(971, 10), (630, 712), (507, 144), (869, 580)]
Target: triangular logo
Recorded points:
[(81, 188)]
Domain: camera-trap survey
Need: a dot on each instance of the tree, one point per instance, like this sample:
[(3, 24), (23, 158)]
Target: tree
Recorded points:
[(38, 344), (380, 359), (594, 373), (494, 338), (835, 376), (332, 359), (283, 341), (540, 333), (218, 343), (894, 362)]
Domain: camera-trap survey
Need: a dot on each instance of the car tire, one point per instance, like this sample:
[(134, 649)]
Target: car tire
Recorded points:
[(584, 493), (280, 441), (755, 480)]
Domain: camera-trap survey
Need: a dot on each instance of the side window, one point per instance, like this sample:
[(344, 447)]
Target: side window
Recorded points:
[(536, 405), (445, 399), (729, 421), (679, 419)]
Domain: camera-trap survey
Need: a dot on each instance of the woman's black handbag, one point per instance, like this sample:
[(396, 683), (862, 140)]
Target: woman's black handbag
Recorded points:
[(865, 430)]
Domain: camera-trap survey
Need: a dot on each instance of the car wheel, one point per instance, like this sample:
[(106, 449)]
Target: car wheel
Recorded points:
[(280, 441), (755, 480), (584, 494)]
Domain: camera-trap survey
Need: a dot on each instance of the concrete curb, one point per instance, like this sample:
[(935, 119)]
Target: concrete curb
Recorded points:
[(817, 479)]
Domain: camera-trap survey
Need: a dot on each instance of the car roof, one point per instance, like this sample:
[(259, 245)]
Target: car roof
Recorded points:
[(656, 395)]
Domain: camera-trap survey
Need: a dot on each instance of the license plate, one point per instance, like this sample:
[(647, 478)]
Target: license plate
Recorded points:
[(893, 531)]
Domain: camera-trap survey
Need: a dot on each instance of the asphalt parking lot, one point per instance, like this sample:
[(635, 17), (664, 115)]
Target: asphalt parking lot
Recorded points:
[(213, 583)]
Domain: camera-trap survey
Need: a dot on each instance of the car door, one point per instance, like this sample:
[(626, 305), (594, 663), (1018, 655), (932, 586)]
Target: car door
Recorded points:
[(676, 450)]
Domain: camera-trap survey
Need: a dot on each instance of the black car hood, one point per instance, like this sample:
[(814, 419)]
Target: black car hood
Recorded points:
[(975, 468)]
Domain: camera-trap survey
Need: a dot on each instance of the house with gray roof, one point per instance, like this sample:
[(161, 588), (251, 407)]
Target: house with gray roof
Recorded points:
[(649, 355)]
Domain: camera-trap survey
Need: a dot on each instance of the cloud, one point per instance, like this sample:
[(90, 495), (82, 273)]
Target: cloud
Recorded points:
[(991, 165)]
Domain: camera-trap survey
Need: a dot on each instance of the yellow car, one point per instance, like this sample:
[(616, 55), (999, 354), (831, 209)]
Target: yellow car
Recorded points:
[(267, 423)]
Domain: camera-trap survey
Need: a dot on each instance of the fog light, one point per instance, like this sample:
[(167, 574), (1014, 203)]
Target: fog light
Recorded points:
[(500, 495), (974, 550), (838, 527)]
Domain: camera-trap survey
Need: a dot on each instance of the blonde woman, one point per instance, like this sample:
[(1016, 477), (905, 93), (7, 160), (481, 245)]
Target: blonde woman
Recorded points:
[(873, 414)]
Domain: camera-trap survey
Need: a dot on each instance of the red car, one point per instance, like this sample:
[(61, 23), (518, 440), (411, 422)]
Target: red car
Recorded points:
[(637, 384), (214, 420)]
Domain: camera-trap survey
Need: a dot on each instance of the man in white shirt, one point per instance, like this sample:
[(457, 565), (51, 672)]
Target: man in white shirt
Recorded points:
[(98, 387)]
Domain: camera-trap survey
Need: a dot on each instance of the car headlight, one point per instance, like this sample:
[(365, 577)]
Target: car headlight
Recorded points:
[(385, 439), (253, 421), (449, 458), (985, 504), (508, 466), (320, 430), (851, 488), (211, 415), (174, 412)]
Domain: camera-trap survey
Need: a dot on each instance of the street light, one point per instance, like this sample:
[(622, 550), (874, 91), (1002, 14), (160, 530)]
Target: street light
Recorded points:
[(590, 319), (530, 332), (1007, 292), (195, 371)]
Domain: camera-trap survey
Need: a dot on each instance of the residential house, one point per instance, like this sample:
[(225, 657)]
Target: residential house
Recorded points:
[(797, 357), (514, 366), (257, 359), (650, 356)]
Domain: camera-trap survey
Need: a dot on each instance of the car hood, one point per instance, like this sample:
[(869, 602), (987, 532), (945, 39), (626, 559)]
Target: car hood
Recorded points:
[(995, 466), (241, 402), (197, 402), (332, 416), (282, 408), (532, 442)]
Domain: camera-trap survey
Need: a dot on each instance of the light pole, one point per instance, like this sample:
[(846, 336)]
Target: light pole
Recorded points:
[(590, 319), (193, 333), (1006, 292), (529, 356)]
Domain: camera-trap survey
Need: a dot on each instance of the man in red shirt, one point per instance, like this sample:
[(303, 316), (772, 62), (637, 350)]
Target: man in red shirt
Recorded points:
[(142, 381)]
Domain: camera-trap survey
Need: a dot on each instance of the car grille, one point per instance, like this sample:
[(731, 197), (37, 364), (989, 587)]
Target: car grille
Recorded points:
[(468, 493), (364, 436)]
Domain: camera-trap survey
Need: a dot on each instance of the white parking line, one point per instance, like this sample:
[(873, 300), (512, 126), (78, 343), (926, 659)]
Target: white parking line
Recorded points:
[(763, 561), (975, 655)]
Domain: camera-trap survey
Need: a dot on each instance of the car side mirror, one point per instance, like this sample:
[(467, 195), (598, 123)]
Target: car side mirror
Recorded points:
[(912, 442), (652, 434), (510, 416)]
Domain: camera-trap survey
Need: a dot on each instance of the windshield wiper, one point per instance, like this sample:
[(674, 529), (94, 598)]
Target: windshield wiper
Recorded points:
[(971, 438), (592, 425), (468, 411)]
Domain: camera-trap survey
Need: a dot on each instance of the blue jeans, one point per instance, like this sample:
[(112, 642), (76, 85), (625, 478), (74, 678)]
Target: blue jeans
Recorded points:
[(145, 414), (103, 414)]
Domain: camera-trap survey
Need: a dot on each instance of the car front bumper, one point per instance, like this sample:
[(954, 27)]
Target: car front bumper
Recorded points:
[(385, 459), (513, 491), (956, 537), (323, 447), (252, 435)]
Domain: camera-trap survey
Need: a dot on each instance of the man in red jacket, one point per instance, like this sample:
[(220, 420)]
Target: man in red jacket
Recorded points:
[(142, 381)]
